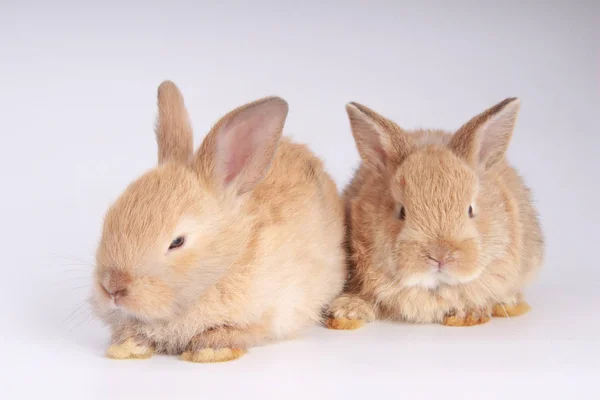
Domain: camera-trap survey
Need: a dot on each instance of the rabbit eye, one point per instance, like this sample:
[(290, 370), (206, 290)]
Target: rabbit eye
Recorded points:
[(471, 212), (402, 214), (178, 242)]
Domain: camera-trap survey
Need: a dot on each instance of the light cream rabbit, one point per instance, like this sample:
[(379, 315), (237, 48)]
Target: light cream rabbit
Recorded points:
[(211, 253), (441, 228)]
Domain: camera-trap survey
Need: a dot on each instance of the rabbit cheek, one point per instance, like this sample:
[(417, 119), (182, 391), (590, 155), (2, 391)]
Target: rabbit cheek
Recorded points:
[(148, 298), (412, 270)]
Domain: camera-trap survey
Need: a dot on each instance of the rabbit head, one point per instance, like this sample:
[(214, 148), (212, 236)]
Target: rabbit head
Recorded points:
[(429, 206), (176, 229)]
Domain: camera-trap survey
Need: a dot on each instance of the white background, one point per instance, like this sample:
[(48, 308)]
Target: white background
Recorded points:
[(77, 105)]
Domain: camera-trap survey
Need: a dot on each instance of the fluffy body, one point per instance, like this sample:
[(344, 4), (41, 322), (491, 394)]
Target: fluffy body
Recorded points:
[(263, 229), (461, 203)]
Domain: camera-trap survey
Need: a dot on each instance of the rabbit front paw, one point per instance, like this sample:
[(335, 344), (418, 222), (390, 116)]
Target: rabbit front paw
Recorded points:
[(210, 355), (506, 310), (222, 343), (349, 312), (468, 317), (129, 349)]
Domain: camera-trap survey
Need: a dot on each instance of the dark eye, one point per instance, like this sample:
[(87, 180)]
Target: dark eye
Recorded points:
[(402, 213), (471, 212), (178, 242)]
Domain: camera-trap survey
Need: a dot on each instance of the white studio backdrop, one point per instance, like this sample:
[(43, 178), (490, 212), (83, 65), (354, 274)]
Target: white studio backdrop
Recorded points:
[(77, 104)]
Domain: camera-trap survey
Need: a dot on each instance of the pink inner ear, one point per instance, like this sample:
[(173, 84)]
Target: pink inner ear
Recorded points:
[(240, 147), (380, 153), (372, 144), (246, 141)]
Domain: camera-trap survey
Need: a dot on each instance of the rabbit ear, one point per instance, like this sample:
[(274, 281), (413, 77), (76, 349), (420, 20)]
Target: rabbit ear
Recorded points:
[(173, 129), (380, 142), (238, 151), (484, 139)]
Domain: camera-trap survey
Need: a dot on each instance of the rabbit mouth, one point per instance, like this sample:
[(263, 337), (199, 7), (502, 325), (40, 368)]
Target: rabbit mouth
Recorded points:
[(447, 279), (433, 278)]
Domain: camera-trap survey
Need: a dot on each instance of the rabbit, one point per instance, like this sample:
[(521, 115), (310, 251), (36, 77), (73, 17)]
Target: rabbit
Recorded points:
[(209, 254), (440, 228)]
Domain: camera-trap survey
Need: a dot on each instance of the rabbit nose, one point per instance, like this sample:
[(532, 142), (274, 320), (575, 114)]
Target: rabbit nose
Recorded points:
[(441, 257), (116, 284), (119, 294), (441, 261), (441, 252)]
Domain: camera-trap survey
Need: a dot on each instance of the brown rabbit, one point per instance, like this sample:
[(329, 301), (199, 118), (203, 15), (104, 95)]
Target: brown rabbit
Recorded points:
[(211, 253), (441, 228)]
